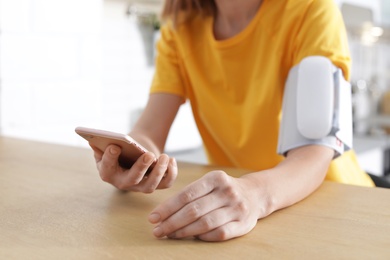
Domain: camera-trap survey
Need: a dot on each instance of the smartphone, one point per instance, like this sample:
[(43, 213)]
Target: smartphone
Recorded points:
[(131, 149)]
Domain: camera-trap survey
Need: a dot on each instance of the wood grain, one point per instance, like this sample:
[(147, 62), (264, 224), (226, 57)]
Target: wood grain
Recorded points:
[(53, 205)]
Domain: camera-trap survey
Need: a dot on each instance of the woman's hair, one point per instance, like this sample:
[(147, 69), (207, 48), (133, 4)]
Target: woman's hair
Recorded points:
[(178, 11)]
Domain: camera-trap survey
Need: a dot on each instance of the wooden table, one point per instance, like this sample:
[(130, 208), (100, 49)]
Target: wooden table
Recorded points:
[(53, 205)]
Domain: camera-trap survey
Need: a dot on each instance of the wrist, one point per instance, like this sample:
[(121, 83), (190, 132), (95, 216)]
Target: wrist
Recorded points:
[(265, 199)]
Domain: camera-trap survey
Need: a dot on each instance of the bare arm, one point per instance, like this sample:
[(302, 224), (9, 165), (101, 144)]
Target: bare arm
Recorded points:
[(301, 173), (219, 207), (152, 128)]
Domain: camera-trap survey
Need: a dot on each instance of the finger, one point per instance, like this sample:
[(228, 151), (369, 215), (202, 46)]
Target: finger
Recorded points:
[(155, 176), (225, 232), (143, 163), (108, 165), (190, 193), (204, 214), (205, 223), (170, 175), (134, 176)]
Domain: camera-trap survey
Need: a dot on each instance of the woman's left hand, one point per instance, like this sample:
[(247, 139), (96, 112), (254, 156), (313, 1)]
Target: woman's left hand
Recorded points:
[(216, 207)]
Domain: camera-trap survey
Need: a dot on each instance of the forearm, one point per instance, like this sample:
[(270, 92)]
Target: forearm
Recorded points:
[(151, 129), (292, 180), (147, 142)]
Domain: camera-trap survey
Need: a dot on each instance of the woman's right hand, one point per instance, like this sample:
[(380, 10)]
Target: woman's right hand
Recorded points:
[(137, 178)]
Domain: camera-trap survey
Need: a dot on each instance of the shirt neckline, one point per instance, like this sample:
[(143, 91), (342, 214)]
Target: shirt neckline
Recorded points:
[(241, 35)]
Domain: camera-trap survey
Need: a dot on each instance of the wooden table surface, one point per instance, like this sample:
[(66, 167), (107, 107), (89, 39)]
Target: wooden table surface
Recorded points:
[(53, 205)]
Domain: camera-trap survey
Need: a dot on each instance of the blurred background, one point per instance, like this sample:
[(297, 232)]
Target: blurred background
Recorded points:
[(68, 63)]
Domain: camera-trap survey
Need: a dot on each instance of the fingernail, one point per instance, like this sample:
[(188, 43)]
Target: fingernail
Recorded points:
[(147, 158), (158, 232), (164, 160), (154, 217), (113, 151)]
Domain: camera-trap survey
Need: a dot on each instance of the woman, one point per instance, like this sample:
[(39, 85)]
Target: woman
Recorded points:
[(230, 59)]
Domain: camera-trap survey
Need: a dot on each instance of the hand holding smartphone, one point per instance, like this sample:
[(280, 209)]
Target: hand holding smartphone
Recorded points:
[(131, 149)]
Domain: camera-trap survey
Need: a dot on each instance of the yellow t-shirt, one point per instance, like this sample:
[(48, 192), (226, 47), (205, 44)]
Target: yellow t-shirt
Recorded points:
[(235, 86)]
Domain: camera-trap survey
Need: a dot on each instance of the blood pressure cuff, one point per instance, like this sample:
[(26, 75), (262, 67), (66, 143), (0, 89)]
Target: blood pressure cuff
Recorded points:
[(317, 107)]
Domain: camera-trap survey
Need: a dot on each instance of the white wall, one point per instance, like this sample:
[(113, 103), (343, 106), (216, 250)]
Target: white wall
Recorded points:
[(50, 65), (126, 76), (386, 12), (65, 63)]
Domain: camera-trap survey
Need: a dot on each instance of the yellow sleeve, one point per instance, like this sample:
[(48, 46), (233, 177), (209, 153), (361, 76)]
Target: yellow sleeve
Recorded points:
[(167, 77), (322, 32)]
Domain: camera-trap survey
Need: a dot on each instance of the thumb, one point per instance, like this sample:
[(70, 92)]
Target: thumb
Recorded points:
[(109, 159), (112, 152)]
